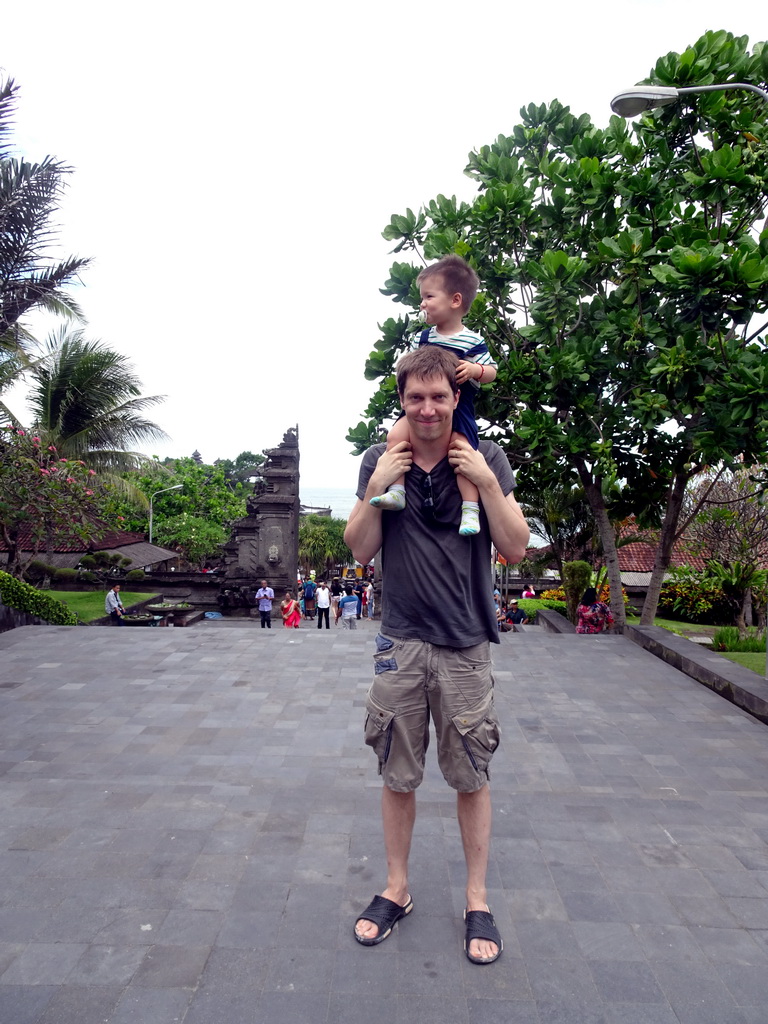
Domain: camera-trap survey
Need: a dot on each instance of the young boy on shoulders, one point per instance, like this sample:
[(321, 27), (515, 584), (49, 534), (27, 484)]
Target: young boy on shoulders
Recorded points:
[(448, 288)]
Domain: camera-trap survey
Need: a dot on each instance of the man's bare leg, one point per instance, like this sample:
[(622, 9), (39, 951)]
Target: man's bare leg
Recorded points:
[(474, 813), (398, 814)]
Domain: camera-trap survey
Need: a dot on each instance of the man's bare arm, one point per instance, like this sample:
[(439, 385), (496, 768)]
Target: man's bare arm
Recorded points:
[(363, 533)]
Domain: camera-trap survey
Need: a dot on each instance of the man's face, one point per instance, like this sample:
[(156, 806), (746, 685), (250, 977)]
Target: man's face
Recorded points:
[(263, 584), (428, 406), (116, 588)]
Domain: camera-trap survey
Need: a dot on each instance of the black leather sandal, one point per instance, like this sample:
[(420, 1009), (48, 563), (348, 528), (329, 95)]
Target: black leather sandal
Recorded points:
[(481, 925), (384, 913)]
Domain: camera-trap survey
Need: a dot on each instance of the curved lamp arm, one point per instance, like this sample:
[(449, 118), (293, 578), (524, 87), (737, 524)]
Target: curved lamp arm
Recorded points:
[(630, 102)]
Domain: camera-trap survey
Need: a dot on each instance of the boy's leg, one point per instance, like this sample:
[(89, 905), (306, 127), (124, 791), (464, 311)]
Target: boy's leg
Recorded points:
[(393, 500), (470, 501)]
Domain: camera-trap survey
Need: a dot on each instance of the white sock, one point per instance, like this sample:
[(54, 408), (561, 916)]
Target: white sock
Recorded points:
[(392, 500), (470, 518)]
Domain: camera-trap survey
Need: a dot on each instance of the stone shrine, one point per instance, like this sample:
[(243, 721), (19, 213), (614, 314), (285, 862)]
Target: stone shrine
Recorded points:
[(265, 543)]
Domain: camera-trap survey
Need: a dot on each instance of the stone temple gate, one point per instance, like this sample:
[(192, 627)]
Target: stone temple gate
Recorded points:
[(265, 542)]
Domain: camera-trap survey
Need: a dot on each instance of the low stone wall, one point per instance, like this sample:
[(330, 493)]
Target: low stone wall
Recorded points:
[(10, 618), (737, 684), (553, 622)]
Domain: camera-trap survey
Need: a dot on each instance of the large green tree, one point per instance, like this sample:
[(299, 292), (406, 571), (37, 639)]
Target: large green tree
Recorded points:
[(622, 269)]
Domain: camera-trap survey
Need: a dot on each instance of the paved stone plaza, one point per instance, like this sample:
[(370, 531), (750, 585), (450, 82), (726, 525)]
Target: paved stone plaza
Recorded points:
[(190, 826)]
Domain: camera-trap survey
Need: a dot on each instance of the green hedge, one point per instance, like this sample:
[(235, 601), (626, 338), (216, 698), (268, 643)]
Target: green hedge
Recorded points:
[(531, 605), (25, 598)]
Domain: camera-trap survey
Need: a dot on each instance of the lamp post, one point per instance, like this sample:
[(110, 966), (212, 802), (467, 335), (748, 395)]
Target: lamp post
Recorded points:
[(630, 102), (176, 487)]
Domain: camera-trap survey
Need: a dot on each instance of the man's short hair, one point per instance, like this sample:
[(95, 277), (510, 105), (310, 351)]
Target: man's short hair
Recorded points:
[(424, 363), (457, 276)]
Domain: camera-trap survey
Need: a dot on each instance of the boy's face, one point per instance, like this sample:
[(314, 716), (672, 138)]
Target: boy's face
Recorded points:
[(438, 305)]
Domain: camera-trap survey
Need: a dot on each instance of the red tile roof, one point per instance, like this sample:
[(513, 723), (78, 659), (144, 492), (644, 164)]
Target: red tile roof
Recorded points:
[(104, 542)]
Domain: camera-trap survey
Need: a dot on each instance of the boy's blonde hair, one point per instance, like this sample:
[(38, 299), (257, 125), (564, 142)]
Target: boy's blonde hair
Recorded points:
[(457, 276)]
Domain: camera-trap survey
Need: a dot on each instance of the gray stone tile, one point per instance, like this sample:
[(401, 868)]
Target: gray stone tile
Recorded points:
[(590, 906), (151, 1006), (607, 941), (207, 843), (637, 1014), (749, 912), (668, 942), (747, 984), (695, 993), (171, 967), (562, 983), (501, 1011), (74, 1004), (43, 961), (24, 1004), (624, 981)]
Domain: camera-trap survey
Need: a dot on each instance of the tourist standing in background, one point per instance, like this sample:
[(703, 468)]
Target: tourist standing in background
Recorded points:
[(265, 596)]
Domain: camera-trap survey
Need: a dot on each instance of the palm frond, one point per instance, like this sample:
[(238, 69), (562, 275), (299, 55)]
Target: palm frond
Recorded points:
[(8, 90), (87, 397)]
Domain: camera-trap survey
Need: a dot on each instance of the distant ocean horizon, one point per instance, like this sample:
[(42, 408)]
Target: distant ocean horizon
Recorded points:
[(339, 500)]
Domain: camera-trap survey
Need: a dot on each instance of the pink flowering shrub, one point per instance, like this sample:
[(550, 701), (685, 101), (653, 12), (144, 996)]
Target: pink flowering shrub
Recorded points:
[(43, 495)]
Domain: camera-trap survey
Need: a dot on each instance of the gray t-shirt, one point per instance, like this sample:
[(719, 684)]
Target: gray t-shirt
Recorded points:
[(437, 585)]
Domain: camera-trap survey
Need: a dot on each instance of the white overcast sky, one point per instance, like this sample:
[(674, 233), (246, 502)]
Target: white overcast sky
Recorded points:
[(235, 164)]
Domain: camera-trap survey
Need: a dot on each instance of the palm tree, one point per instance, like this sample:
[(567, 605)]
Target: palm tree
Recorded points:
[(29, 195), (86, 400), (321, 543)]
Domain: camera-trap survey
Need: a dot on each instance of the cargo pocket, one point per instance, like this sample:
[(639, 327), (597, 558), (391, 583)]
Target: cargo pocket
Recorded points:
[(383, 658), (479, 730), (378, 729)]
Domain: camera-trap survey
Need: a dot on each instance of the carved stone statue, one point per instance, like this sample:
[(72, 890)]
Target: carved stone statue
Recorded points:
[(265, 542)]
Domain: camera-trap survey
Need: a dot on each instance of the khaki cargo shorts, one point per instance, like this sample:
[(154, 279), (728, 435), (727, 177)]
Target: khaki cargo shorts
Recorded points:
[(415, 680)]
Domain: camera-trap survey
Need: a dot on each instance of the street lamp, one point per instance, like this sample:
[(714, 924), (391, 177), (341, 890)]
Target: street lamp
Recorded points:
[(630, 102), (176, 487)]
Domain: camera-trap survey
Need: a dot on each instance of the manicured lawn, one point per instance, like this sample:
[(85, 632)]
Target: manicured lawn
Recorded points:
[(678, 627), (89, 605), (749, 659)]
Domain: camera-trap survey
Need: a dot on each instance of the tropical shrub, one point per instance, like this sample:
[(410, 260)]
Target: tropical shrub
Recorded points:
[(24, 598), (65, 574), (727, 639), (692, 595)]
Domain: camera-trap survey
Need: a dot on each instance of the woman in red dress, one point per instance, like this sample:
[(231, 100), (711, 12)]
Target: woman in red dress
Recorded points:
[(290, 611)]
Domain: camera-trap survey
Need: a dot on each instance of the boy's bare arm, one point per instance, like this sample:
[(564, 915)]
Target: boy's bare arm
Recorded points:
[(466, 370)]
